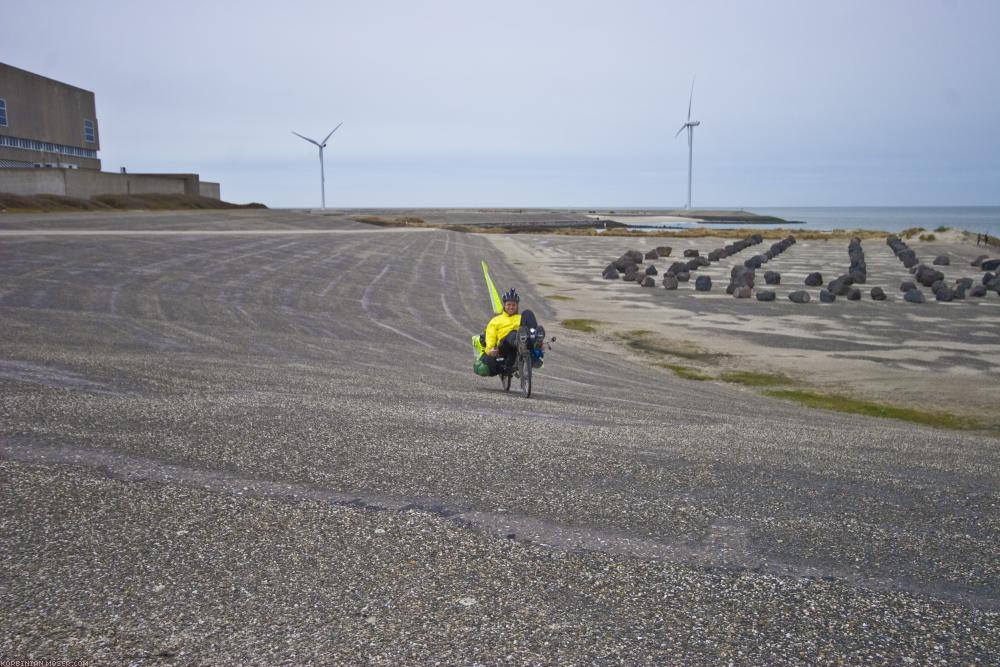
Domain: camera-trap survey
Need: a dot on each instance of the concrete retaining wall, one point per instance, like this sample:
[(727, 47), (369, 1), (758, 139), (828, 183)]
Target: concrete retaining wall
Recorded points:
[(210, 190), (86, 183)]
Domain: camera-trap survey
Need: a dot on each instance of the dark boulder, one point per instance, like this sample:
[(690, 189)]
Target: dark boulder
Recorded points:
[(799, 296), (878, 294), (663, 250), (651, 270), (742, 292), (988, 278), (691, 252), (766, 295), (731, 287), (693, 265), (683, 276), (941, 260), (669, 281), (938, 284), (944, 294), (839, 287), (610, 273), (854, 294), (648, 281), (859, 277), (635, 255), (703, 284), (652, 254), (914, 296), (715, 255), (927, 276), (825, 296), (772, 277), (814, 279), (960, 291), (990, 265), (755, 262), (907, 286), (908, 258), (631, 276), (978, 291), (967, 282), (677, 267), (979, 260)]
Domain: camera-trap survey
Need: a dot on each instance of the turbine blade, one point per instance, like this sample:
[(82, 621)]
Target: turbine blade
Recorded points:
[(306, 138), (680, 130), (331, 132), (690, 99)]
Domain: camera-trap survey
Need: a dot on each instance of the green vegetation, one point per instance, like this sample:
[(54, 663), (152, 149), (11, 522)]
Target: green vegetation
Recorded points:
[(756, 379), (685, 372), (942, 228), (671, 348), (153, 202), (911, 232), (587, 326), (927, 237), (855, 406), (558, 297)]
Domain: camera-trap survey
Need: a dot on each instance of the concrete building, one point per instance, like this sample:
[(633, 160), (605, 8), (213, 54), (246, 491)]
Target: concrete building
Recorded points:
[(49, 141), (45, 123)]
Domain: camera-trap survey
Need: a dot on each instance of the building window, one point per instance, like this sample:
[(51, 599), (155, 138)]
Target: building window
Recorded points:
[(3, 113), (88, 131)]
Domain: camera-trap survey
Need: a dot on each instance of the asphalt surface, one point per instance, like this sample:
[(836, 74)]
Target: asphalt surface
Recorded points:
[(265, 448)]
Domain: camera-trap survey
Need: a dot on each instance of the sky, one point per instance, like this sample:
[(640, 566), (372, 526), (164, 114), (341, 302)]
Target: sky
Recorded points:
[(538, 103)]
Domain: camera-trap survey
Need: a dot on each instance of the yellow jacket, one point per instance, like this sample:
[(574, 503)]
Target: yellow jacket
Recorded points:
[(500, 326)]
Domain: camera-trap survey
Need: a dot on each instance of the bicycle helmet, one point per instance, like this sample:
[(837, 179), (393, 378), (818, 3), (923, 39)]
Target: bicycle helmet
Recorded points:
[(510, 295)]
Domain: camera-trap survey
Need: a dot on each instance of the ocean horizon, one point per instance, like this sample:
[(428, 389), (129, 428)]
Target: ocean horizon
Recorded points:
[(975, 219)]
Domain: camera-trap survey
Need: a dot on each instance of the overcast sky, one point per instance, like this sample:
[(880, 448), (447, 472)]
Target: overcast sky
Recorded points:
[(536, 103)]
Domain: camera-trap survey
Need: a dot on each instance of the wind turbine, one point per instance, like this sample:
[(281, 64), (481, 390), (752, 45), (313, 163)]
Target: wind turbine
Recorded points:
[(689, 126), (322, 145)]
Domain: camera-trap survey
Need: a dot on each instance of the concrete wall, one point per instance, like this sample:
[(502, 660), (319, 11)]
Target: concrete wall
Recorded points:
[(85, 183), (33, 181), (210, 190)]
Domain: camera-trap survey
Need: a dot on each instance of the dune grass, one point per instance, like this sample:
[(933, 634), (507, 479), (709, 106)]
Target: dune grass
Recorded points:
[(756, 379), (685, 372), (586, 326), (872, 409)]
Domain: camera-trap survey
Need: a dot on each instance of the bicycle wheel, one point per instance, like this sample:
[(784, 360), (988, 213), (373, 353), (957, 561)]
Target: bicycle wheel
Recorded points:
[(505, 381), (524, 362)]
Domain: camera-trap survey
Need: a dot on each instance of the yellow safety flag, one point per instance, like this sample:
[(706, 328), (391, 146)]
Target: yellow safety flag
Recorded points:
[(494, 297)]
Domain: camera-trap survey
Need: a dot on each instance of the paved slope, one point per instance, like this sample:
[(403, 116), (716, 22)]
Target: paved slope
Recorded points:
[(199, 432)]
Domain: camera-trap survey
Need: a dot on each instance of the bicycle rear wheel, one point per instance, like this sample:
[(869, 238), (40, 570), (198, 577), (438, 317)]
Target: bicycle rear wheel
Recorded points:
[(505, 381)]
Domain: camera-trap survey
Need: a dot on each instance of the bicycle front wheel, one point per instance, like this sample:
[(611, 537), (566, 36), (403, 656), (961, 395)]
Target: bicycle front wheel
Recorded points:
[(524, 361)]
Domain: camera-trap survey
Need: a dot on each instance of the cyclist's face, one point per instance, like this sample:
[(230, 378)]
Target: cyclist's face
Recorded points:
[(510, 307)]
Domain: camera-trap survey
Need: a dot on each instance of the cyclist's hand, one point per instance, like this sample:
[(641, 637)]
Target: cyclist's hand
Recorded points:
[(493, 353)]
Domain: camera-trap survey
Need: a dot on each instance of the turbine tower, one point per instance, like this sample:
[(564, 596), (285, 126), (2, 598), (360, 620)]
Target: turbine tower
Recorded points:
[(689, 126), (322, 145)]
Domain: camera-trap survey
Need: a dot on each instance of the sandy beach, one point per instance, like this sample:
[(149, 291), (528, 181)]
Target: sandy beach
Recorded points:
[(936, 356)]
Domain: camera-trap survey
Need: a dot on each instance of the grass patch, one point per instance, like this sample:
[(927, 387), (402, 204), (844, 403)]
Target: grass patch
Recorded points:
[(855, 406), (586, 326), (148, 202), (942, 228), (911, 232), (673, 349), (927, 237), (756, 379), (558, 297), (685, 372)]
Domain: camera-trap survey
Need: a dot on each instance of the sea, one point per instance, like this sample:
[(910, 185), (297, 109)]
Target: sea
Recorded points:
[(975, 219)]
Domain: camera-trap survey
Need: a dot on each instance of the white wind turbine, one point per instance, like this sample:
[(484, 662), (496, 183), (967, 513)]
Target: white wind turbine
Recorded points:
[(322, 145), (689, 126)]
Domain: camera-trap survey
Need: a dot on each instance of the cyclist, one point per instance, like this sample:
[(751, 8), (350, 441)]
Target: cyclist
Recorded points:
[(498, 344)]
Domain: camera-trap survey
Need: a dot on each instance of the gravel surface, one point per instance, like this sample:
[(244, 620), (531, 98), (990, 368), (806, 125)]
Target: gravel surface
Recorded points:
[(271, 448)]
